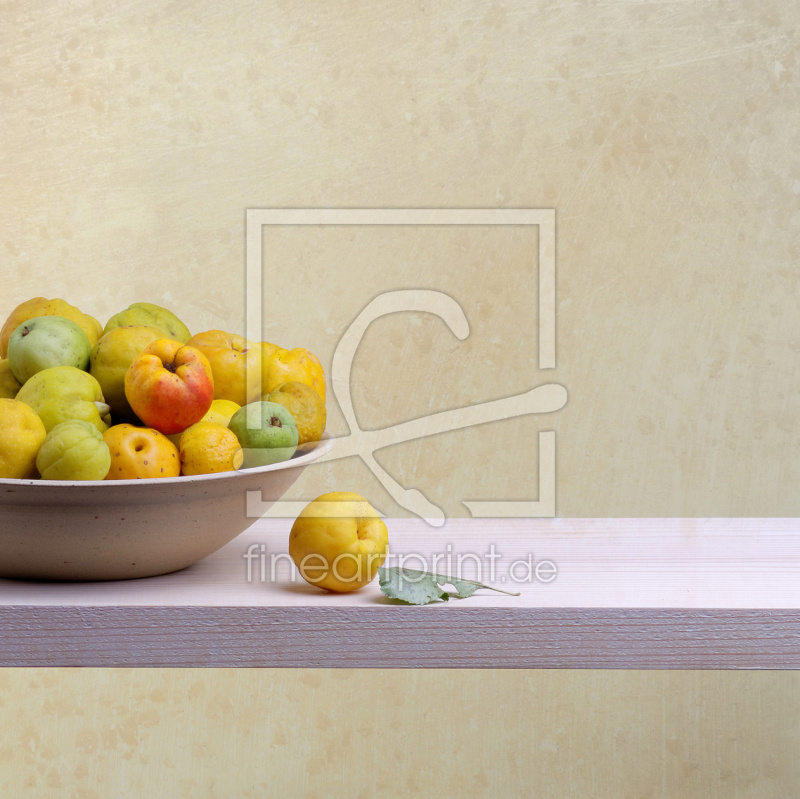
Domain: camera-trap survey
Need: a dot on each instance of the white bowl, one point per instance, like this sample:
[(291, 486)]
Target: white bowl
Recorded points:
[(122, 529)]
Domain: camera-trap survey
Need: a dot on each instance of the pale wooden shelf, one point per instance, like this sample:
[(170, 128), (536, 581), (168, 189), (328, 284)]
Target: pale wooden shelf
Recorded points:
[(630, 593)]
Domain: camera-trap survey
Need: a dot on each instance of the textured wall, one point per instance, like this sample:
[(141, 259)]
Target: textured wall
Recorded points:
[(317, 733), (134, 137)]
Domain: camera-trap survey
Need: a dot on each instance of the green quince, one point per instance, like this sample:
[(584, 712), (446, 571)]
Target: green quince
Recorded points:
[(73, 450), (46, 341), (145, 313), (61, 393), (272, 439)]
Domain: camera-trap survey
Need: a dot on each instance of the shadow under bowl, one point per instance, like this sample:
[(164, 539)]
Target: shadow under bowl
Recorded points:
[(124, 529)]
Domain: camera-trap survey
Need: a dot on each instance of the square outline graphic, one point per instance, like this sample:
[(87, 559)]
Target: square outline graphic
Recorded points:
[(543, 218)]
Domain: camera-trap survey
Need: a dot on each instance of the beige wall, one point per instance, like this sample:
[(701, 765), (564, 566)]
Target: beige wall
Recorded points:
[(133, 138), (321, 733)]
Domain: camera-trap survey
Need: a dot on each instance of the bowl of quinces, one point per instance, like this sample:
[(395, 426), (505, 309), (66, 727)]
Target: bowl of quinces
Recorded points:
[(137, 448)]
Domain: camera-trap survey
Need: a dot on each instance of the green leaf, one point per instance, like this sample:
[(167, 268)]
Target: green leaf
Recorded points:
[(420, 588)]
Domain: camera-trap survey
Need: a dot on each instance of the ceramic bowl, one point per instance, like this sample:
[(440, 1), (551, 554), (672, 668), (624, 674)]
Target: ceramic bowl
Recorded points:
[(122, 529)]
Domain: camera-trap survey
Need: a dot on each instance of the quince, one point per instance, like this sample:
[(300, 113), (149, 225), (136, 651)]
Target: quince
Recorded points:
[(9, 385), (21, 434), (110, 359), (39, 306), (307, 408), (208, 448), (273, 438), (338, 542), (221, 412), (145, 313), (235, 364), (73, 450), (290, 366), (64, 392), (140, 452), (169, 385), (46, 341)]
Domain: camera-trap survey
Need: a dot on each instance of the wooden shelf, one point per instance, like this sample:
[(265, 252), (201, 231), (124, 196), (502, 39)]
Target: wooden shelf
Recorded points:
[(629, 593)]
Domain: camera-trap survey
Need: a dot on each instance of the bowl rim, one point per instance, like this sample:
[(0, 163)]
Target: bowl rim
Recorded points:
[(323, 447)]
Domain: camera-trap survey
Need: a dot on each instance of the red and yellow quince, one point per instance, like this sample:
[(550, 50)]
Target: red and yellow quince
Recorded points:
[(169, 385)]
